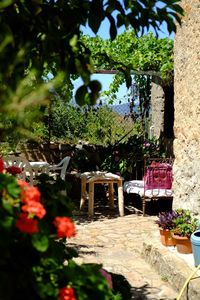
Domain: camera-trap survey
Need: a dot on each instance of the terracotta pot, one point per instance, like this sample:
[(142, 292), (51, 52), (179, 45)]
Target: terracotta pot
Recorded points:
[(183, 244), (166, 237)]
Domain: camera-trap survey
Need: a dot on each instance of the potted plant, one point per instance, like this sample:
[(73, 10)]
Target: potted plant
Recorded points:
[(184, 225), (165, 223)]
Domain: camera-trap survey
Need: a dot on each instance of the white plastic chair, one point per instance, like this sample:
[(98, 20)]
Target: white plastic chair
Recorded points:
[(62, 167), (22, 163)]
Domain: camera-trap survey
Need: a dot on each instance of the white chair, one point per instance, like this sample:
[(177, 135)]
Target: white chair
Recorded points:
[(62, 167), (22, 163)]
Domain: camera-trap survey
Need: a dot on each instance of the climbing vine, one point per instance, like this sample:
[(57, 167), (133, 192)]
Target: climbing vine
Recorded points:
[(146, 54), (144, 57)]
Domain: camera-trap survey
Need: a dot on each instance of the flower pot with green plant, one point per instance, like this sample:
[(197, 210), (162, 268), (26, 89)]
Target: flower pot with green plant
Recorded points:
[(165, 223), (184, 225)]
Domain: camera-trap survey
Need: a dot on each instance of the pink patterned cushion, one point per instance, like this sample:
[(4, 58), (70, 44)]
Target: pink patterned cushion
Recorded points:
[(158, 176)]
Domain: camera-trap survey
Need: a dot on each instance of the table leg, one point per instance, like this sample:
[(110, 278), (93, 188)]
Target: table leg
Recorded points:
[(120, 198), (111, 194), (91, 199), (83, 192), (143, 206)]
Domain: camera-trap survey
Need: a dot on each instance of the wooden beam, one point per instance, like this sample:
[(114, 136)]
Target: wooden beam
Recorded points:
[(133, 72)]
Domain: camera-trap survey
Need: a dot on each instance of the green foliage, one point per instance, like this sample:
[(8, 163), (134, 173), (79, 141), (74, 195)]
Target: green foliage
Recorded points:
[(128, 155), (184, 223), (128, 52), (98, 126), (40, 38), (50, 42)]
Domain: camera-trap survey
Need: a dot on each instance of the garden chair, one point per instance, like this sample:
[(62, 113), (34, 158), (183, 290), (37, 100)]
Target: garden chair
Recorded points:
[(22, 163), (59, 168), (156, 183)]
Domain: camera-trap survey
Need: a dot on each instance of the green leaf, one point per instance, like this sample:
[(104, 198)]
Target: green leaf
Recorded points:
[(96, 15), (7, 222), (7, 206), (95, 86), (5, 3), (13, 189), (80, 95), (113, 30), (40, 242)]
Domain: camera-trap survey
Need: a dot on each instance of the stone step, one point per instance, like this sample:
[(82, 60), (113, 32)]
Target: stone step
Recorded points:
[(174, 267)]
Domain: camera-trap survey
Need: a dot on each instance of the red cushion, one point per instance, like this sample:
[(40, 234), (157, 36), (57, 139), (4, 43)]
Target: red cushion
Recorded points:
[(158, 176)]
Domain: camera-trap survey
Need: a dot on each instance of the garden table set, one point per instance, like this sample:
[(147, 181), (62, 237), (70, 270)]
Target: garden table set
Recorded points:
[(155, 184)]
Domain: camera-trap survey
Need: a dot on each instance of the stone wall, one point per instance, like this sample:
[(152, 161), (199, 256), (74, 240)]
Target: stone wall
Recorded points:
[(187, 109), (157, 109), (162, 115)]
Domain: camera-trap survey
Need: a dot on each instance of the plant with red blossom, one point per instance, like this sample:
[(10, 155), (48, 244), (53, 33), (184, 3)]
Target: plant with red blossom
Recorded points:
[(65, 227), (67, 293), (1, 165), (35, 261), (26, 224), (13, 170)]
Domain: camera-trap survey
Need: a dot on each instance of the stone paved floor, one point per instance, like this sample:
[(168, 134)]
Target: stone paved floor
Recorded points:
[(116, 242)]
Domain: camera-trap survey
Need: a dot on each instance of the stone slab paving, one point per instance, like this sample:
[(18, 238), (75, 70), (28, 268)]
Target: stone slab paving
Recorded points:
[(118, 244)]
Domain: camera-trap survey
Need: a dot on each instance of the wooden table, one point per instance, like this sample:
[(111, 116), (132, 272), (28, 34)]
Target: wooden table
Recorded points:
[(92, 178)]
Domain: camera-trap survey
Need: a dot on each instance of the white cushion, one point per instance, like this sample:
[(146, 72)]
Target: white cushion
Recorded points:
[(137, 187)]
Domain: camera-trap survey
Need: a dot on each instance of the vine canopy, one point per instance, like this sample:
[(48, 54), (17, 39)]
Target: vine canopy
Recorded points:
[(129, 53)]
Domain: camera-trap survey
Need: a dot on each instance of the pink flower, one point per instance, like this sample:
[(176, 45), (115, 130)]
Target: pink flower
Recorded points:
[(107, 276), (65, 227), (67, 293), (146, 145)]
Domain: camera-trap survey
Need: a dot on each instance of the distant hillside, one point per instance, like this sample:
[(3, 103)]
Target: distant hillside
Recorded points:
[(122, 109)]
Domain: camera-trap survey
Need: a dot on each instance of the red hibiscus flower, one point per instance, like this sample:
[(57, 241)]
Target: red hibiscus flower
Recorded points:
[(27, 225), (66, 293), (35, 208), (65, 227), (1, 165), (13, 170)]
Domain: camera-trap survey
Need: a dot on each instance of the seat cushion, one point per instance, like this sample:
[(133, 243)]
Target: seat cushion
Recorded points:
[(137, 187)]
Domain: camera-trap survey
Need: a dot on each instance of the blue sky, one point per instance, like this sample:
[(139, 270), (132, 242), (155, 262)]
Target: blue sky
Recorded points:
[(106, 79)]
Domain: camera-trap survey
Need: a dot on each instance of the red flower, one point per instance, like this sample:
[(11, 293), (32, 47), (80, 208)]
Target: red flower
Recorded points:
[(65, 227), (35, 208), (1, 165), (22, 183), (66, 293), (30, 193), (13, 170), (27, 225)]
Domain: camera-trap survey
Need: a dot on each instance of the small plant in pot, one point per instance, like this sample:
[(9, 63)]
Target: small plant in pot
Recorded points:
[(184, 225), (165, 223)]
